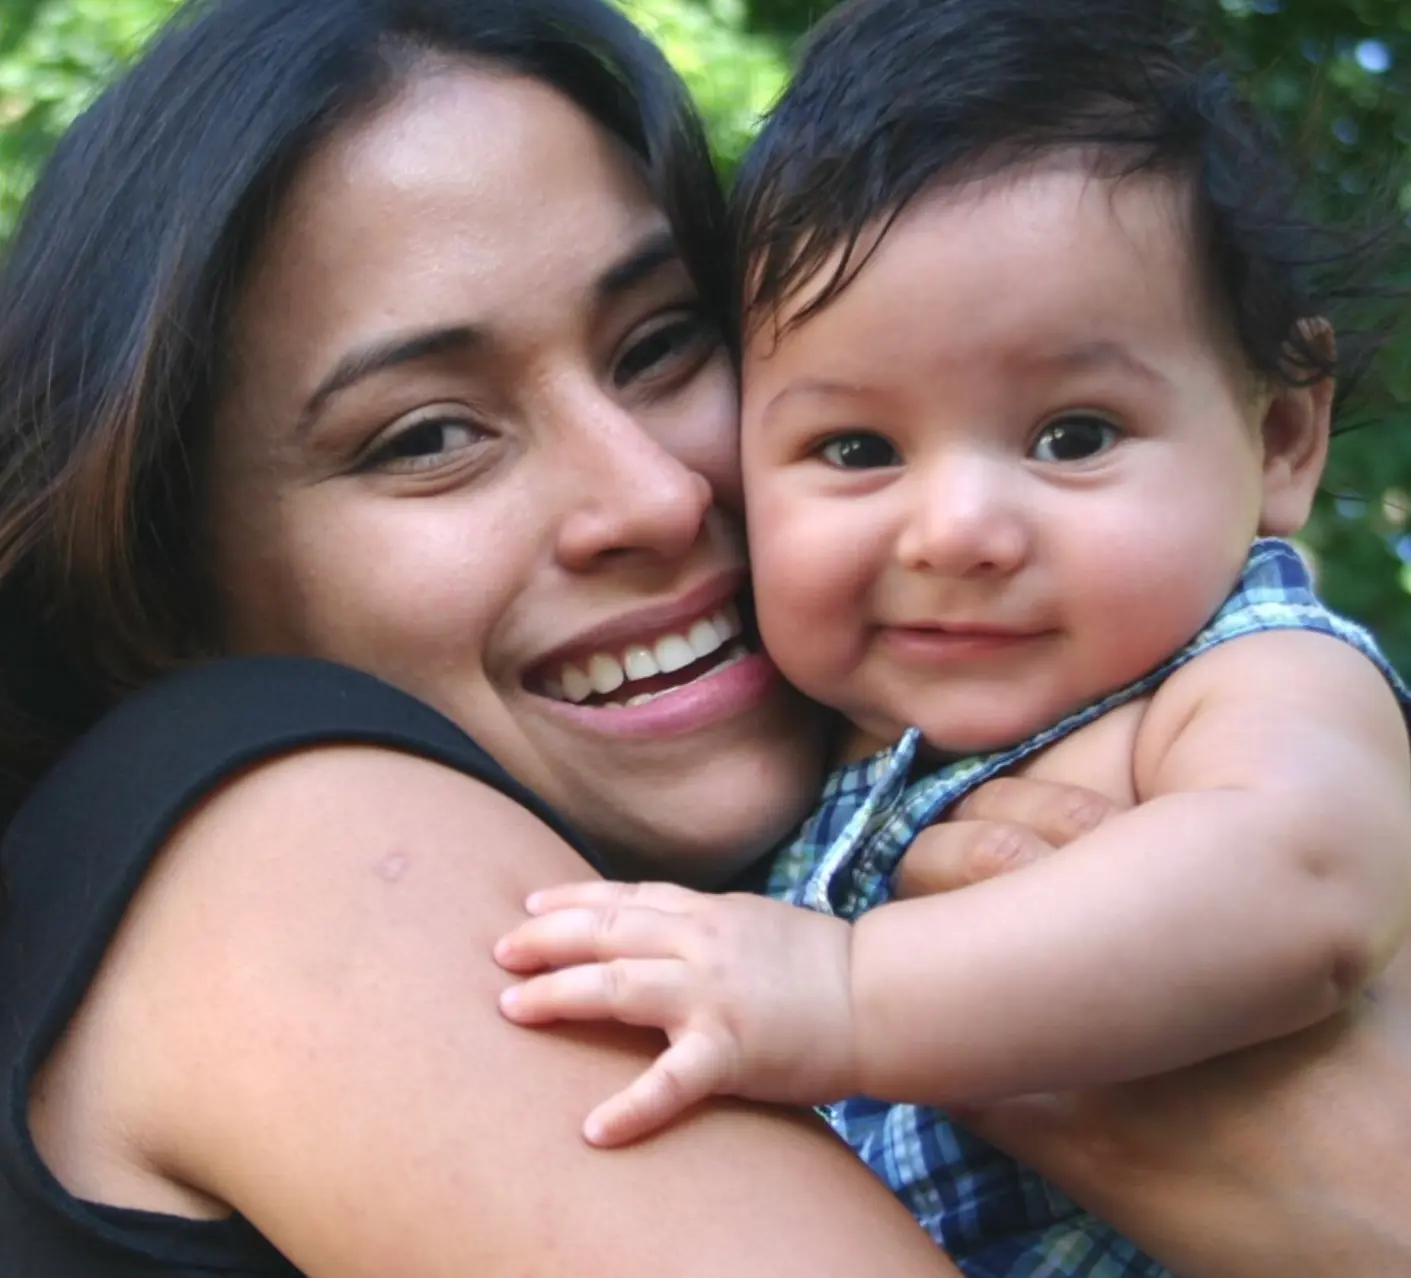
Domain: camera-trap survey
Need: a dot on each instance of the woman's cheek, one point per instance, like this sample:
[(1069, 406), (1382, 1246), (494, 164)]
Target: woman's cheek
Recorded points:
[(385, 574), (705, 431)]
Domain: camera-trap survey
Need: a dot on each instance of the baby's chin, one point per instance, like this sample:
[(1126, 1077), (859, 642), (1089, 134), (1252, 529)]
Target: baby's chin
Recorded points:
[(960, 740), (981, 730)]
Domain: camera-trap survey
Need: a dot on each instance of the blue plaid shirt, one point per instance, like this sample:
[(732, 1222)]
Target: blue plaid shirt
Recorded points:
[(995, 1218)]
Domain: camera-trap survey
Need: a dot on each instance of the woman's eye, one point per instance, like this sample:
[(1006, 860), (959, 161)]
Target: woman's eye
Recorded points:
[(656, 352), (423, 445), (859, 451), (1076, 438)]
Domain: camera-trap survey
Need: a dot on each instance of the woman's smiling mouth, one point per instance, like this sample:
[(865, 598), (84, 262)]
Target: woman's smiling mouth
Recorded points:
[(648, 668), (678, 674)]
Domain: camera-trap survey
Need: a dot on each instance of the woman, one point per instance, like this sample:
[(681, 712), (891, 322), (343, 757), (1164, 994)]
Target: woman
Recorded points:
[(391, 285), (386, 334)]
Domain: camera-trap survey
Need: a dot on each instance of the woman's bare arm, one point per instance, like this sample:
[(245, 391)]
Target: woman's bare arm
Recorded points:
[(299, 1020), (1291, 1157)]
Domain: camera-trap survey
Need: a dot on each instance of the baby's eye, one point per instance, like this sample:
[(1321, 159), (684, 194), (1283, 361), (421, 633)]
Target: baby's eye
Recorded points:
[(859, 451), (1074, 438)]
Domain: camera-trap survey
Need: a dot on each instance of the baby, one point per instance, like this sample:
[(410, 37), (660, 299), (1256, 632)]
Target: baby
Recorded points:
[(1035, 371)]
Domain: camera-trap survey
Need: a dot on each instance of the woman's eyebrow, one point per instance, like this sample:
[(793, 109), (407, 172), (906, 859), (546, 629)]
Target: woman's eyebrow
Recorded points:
[(655, 250), (385, 353)]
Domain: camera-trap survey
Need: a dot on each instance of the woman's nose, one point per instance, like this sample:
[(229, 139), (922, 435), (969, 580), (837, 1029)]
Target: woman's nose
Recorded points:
[(964, 519), (628, 494)]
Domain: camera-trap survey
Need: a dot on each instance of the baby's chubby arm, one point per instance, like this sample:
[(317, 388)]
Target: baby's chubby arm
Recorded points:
[(754, 996), (1264, 878)]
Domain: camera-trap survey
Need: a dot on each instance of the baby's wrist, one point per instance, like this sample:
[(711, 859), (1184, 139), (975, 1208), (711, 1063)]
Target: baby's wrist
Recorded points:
[(867, 1050)]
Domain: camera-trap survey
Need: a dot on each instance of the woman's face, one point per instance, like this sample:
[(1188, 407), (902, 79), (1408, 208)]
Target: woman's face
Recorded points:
[(473, 440)]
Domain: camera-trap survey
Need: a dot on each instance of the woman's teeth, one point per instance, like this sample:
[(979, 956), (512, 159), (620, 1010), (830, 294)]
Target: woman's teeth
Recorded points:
[(605, 673), (738, 653)]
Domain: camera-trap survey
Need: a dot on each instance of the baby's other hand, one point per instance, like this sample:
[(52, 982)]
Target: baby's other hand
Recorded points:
[(754, 996), (1004, 825)]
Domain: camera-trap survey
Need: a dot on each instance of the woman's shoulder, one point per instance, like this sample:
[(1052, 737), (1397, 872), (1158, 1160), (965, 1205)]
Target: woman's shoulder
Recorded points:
[(250, 769), (303, 1006), (188, 876)]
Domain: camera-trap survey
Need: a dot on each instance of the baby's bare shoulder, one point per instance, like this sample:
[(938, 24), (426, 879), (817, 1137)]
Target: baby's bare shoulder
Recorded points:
[(1269, 698)]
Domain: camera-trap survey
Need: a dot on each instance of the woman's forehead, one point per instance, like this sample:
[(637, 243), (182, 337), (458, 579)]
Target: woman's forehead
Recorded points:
[(465, 116), (471, 155), (472, 197)]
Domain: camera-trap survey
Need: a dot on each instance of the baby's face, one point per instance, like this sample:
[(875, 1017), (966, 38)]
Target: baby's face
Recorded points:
[(1013, 466)]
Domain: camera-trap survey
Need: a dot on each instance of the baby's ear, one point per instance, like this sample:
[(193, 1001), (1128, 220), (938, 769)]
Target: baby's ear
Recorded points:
[(1295, 428)]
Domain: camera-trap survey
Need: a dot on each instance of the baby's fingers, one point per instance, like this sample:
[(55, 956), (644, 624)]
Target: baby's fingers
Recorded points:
[(600, 892), (570, 936), (688, 1071), (633, 991)]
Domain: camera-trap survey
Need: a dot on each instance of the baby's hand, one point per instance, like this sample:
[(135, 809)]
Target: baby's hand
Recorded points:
[(754, 996)]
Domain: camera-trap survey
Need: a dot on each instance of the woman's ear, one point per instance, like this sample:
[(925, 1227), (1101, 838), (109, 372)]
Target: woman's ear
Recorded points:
[(1297, 422)]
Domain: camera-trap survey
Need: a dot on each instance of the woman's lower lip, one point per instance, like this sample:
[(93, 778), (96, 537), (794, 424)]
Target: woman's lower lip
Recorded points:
[(941, 647), (734, 689)]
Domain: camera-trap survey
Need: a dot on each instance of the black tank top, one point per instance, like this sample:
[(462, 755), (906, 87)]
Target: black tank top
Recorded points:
[(73, 858)]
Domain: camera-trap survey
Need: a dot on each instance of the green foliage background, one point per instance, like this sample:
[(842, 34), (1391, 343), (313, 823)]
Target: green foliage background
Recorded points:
[(1337, 73)]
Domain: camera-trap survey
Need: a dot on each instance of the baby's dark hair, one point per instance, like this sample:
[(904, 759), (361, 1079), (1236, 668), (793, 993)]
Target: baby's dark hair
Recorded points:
[(893, 98)]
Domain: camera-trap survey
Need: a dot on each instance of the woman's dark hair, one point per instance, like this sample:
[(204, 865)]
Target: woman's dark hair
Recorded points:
[(893, 98), (117, 291)]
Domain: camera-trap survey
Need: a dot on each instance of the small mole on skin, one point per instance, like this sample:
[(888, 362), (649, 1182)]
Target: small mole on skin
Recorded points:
[(393, 866)]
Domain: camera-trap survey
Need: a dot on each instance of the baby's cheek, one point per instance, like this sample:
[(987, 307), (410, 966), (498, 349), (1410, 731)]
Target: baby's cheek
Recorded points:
[(810, 608), (1155, 623)]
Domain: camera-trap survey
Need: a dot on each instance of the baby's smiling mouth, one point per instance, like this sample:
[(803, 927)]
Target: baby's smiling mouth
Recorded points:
[(645, 669)]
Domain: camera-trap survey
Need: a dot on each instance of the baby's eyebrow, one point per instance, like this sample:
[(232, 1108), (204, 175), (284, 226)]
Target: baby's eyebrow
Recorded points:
[(1097, 356), (815, 386), (1100, 355)]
